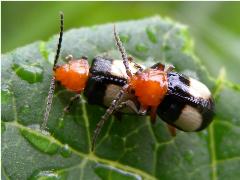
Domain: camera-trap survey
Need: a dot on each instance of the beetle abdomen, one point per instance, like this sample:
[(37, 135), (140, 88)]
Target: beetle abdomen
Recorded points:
[(188, 105)]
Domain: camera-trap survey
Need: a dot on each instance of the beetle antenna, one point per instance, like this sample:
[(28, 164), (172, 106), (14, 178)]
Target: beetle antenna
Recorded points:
[(108, 113), (122, 51), (59, 41), (52, 84), (117, 100)]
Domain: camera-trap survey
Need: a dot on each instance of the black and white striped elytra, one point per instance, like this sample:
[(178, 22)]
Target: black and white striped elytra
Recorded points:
[(107, 76), (187, 106)]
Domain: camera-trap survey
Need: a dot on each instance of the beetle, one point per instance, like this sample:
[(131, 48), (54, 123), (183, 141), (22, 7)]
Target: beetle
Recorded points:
[(182, 102), (123, 85)]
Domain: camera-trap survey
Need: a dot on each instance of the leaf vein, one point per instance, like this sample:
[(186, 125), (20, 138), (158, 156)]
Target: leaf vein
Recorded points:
[(90, 156)]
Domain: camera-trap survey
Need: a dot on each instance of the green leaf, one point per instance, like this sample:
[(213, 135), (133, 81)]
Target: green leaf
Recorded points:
[(130, 149)]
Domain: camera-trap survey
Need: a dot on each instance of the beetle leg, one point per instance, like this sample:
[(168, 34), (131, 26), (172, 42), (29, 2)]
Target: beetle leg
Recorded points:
[(84, 57), (122, 105), (72, 100), (159, 66), (171, 130), (130, 59), (129, 104), (153, 114), (142, 110), (169, 68)]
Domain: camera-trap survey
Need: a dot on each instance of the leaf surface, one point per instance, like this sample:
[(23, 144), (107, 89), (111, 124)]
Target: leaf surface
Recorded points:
[(130, 149)]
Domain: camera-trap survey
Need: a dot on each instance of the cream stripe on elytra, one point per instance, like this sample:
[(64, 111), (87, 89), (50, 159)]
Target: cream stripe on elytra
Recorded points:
[(190, 119), (118, 68), (198, 89)]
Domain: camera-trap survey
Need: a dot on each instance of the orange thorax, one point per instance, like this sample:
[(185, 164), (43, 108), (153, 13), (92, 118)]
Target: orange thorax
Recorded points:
[(150, 86), (73, 75)]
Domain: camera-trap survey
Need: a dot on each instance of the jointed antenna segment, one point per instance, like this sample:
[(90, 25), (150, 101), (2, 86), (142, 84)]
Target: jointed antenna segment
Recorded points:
[(59, 40), (49, 103), (114, 105), (52, 84), (116, 102), (122, 51)]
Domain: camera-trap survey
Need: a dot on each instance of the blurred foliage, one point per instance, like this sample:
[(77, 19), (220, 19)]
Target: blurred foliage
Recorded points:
[(215, 26)]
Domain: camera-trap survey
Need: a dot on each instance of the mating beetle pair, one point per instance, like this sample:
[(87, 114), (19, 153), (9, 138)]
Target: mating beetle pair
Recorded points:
[(123, 85)]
